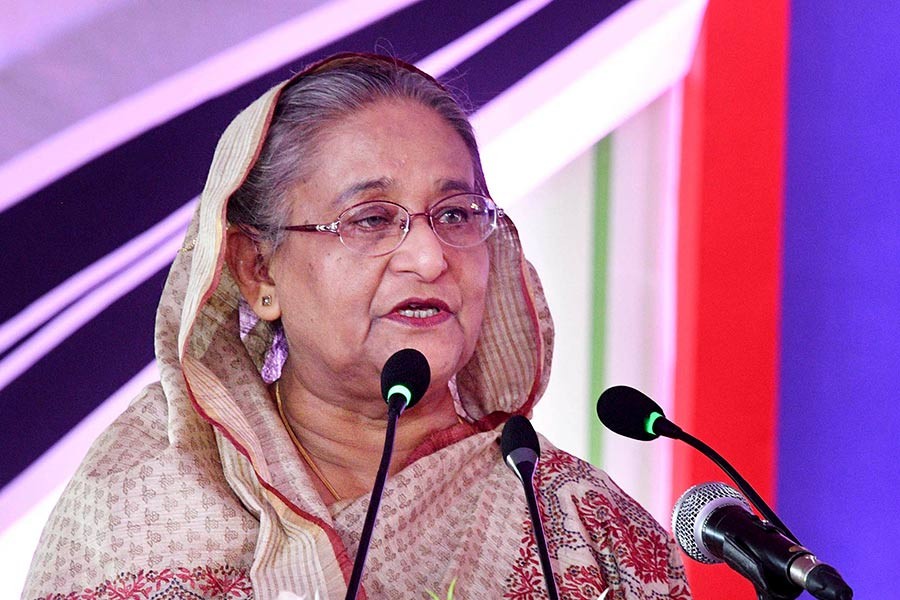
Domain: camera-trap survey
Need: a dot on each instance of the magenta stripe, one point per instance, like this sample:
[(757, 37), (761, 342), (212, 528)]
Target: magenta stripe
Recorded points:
[(64, 152)]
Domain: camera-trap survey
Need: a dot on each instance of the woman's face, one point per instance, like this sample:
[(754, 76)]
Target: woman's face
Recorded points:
[(344, 313)]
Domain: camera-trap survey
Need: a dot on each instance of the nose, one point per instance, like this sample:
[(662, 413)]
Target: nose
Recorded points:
[(421, 252)]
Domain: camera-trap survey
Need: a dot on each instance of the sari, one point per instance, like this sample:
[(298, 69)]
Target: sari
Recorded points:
[(196, 490)]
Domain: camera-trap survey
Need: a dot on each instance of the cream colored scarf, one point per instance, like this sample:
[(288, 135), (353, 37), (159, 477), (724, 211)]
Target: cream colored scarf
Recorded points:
[(197, 490)]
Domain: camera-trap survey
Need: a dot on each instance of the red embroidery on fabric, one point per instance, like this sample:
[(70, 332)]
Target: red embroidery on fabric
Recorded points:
[(527, 579), (637, 546), (221, 583), (580, 582), (680, 592), (623, 539), (554, 463)]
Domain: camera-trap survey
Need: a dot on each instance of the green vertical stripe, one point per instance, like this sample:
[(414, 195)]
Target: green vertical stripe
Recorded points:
[(598, 292)]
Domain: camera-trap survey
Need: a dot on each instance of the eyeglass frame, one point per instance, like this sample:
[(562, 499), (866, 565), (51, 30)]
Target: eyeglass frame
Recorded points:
[(335, 226)]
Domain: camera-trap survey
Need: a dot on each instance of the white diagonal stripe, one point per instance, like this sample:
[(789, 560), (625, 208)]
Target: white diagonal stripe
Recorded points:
[(48, 305), (71, 319), (440, 61), (89, 138)]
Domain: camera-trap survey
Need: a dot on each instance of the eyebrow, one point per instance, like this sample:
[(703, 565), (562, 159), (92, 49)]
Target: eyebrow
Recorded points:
[(384, 183), (380, 184), (456, 185)]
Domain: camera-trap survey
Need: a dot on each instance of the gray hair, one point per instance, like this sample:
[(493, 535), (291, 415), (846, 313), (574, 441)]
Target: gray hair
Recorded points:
[(328, 92)]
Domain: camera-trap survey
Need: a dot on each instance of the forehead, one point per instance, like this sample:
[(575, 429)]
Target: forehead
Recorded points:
[(392, 122), (392, 147)]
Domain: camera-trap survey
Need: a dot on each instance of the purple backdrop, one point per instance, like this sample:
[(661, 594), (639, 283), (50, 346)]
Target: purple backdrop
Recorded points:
[(838, 479)]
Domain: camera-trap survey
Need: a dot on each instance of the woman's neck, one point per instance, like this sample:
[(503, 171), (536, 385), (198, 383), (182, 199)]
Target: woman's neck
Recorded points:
[(346, 444)]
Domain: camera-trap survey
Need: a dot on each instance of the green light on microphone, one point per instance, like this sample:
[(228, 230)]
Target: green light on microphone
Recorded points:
[(648, 424), (402, 390)]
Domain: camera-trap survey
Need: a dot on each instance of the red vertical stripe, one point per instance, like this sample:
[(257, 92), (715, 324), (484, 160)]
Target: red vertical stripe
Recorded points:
[(729, 254)]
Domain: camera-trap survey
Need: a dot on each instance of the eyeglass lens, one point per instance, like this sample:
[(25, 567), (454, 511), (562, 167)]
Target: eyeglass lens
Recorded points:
[(375, 228)]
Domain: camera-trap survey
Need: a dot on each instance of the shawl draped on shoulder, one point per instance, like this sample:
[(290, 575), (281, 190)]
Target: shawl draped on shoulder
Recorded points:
[(196, 490)]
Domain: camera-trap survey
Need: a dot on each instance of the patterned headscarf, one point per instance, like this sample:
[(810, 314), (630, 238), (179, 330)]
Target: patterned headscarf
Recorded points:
[(197, 488)]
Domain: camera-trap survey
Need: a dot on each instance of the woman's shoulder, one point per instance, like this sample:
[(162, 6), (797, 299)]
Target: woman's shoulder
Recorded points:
[(140, 494), (583, 507), (591, 492), (137, 435), (560, 468)]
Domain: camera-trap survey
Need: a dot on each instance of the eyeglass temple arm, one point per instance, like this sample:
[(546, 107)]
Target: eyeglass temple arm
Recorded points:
[(328, 228)]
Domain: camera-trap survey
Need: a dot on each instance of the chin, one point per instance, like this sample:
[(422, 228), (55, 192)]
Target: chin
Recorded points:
[(444, 366), (443, 363)]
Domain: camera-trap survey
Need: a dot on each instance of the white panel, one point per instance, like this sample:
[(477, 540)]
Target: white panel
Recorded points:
[(580, 95), (555, 222), (640, 336)]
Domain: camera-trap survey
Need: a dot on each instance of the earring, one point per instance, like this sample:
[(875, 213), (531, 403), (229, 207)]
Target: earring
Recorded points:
[(267, 300)]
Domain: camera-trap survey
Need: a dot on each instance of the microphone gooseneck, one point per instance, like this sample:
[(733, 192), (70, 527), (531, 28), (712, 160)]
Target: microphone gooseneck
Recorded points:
[(404, 380), (713, 523), (521, 451), (633, 414)]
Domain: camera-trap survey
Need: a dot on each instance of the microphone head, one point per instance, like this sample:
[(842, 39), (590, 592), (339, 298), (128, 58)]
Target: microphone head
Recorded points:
[(406, 372), (519, 433), (693, 509), (520, 448), (627, 411)]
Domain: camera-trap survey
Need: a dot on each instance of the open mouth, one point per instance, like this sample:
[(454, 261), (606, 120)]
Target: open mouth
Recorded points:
[(415, 308), (419, 313)]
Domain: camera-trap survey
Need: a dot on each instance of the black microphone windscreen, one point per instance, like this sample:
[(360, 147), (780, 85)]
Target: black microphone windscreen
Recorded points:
[(409, 368), (625, 410), (518, 433)]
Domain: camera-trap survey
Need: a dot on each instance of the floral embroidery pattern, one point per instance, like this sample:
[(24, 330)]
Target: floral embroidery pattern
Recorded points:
[(636, 546), (582, 582), (527, 580), (219, 583), (631, 551)]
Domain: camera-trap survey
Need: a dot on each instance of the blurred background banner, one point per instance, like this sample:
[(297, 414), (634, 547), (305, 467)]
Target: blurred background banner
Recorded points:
[(708, 190)]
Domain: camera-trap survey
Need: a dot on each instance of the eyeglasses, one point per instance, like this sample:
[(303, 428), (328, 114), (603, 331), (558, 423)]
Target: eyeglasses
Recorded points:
[(379, 227)]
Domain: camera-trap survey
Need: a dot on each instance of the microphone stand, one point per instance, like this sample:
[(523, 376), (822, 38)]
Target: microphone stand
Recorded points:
[(666, 428), (768, 585), (396, 404), (543, 553)]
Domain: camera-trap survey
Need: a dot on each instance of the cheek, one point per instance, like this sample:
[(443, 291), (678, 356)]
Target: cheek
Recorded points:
[(304, 284), (342, 289), (475, 283)]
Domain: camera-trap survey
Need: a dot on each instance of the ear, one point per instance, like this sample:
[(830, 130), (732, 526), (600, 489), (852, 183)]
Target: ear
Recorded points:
[(249, 265)]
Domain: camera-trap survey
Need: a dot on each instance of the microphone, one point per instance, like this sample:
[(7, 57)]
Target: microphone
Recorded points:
[(405, 378), (633, 414), (520, 447), (712, 523), (521, 452)]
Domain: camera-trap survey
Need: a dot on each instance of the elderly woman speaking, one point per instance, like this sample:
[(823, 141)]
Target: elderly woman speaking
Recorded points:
[(345, 217)]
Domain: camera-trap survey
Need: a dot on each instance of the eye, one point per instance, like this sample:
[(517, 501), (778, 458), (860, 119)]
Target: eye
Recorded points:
[(371, 217), (453, 215), (370, 222)]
